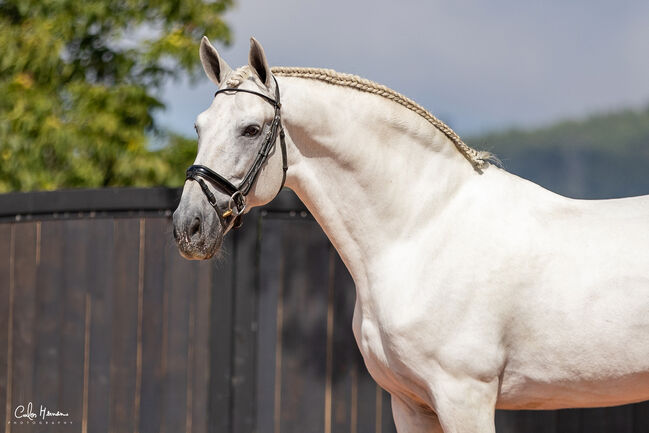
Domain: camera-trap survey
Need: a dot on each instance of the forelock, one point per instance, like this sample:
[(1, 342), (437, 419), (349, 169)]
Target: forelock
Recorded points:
[(238, 76)]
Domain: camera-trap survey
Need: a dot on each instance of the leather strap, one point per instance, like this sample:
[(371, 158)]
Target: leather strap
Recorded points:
[(198, 171)]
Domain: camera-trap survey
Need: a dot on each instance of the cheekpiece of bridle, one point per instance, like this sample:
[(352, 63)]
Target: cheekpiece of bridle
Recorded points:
[(237, 203)]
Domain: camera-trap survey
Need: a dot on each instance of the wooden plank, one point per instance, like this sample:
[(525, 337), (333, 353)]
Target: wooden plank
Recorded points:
[(153, 322), (76, 274), (305, 327), (505, 421), (386, 417), (271, 281), (6, 299), (569, 421), (49, 310), (533, 421), (190, 299), (641, 417), (124, 332), (200, 350), (345, 353), (221, 340), (366, 399), (180, 280), (329, 340), (24, 314), (611, 419), (245, 326), (99, 285)]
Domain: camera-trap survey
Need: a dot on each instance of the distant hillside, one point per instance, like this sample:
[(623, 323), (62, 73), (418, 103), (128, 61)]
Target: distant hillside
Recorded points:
[(603, 156)]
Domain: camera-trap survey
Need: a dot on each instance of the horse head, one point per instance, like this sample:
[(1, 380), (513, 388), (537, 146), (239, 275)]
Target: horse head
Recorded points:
[(238, 165)]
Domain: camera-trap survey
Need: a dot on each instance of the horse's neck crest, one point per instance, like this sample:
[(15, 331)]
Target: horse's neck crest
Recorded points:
[(479, 159)]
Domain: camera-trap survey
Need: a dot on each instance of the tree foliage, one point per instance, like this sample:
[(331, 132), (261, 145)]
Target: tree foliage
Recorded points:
[(80, 82)]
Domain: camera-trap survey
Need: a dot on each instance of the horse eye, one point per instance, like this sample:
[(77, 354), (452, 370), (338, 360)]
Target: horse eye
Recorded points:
[(251, 131), (196, 128)]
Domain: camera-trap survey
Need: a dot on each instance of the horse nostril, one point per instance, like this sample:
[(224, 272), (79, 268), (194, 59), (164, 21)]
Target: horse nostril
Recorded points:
[(175, 233), (195, 227)]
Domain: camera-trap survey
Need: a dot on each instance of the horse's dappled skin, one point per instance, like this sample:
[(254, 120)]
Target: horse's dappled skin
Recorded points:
[(476, 289)]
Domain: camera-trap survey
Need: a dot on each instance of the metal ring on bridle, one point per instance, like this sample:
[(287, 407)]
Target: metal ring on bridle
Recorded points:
[(239, 205)]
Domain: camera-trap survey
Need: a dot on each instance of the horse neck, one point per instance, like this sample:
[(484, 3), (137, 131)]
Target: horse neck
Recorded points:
[(370, 171)]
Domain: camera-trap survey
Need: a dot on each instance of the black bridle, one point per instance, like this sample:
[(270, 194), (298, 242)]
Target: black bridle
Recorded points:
[(237, 204)]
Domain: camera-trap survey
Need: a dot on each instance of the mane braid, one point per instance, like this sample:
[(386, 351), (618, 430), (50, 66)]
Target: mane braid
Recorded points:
[(479, 159)]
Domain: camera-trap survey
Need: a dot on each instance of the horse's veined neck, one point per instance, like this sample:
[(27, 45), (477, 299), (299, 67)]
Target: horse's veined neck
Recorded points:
[(370, 170)]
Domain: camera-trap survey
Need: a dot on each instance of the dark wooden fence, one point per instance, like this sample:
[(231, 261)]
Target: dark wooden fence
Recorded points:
[(101, 319)]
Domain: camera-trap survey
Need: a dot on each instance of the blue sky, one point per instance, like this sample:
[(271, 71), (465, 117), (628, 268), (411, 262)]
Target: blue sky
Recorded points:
[(478, 65)]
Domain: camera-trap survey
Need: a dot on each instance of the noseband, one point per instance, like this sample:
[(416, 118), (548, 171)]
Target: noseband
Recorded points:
[(237, 203)]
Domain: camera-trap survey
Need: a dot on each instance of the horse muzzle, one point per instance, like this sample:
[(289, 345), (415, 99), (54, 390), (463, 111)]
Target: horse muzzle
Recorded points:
[(199, 234)]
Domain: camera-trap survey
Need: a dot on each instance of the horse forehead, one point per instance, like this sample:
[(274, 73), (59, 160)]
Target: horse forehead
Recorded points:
[(229, 107), (211, 116)]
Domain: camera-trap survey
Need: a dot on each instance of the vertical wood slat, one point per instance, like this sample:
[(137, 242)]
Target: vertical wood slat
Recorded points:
[(613, 419), (200, 367), (189, 365), (532, 421), (100, 289), (140, 325), (152, 386), (124, 327), (180, 282), (76, 274), (49, 307), (24, 314), (304, 339), (221, 341), (331, 316), (271, 281), (366, 400), (344, 374), (244, 326), (569, 421), (279, 330), (386, 416), (197, 353), (641, 417), (6, 261)]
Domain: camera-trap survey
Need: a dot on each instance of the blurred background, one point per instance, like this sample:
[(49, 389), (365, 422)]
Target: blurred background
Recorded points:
[(99, 94), (101, 319)]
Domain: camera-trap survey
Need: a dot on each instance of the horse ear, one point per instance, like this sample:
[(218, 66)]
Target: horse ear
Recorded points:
[(215, 67), (258, 62)]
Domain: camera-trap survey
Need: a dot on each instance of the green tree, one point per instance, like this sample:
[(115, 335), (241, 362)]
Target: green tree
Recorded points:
[(80, 81)]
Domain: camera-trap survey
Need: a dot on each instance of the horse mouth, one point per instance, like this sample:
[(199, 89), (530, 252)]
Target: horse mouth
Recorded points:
[(200, 250)]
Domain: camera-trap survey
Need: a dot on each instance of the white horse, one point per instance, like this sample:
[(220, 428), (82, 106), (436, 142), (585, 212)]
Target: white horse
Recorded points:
[(476, 290)]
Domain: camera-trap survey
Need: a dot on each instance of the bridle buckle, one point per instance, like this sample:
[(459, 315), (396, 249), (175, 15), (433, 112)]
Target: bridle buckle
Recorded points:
[(236, 205)]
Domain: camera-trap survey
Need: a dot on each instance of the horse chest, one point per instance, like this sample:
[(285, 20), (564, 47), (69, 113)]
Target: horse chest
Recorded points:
[(371, 345), (387, 360)]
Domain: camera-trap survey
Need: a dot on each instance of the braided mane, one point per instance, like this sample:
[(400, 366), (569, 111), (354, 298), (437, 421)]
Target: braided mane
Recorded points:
[(479, 159)]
